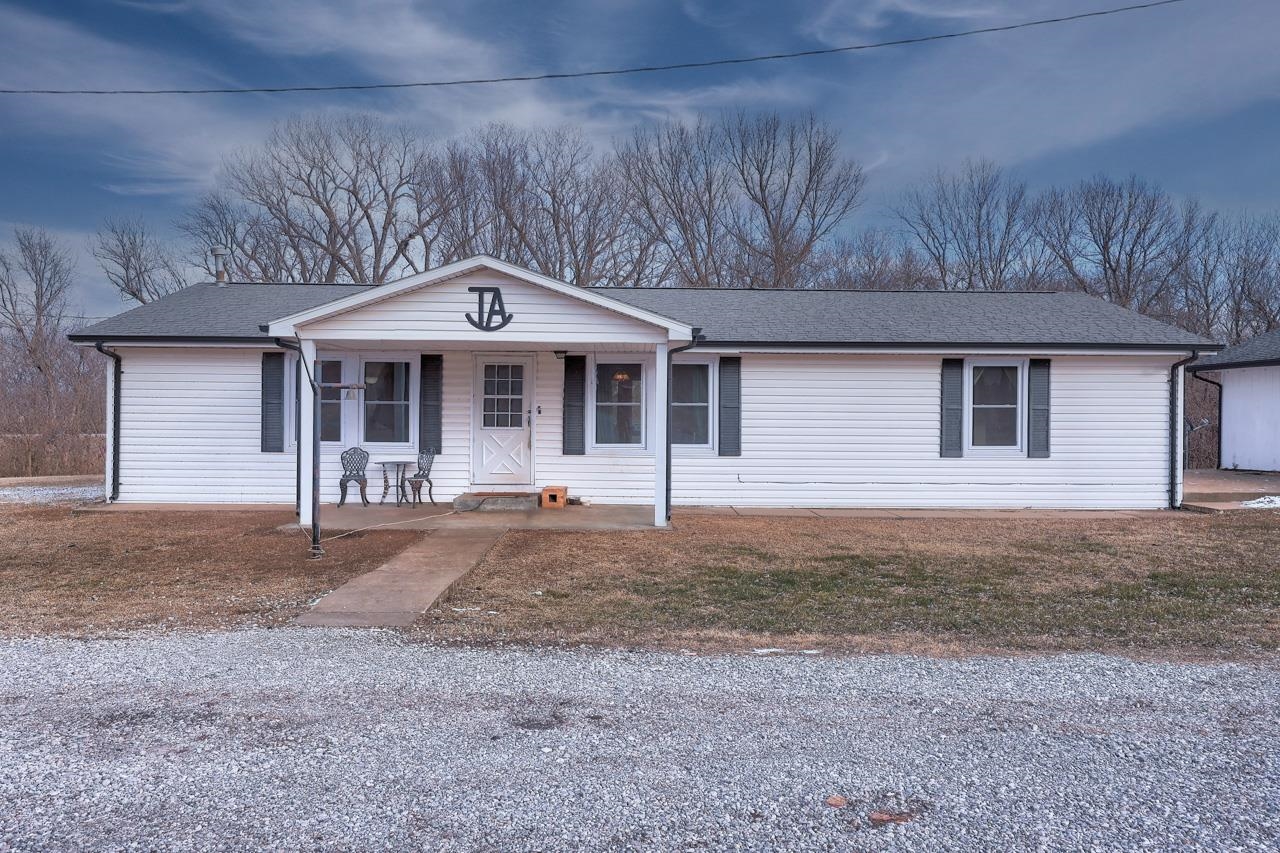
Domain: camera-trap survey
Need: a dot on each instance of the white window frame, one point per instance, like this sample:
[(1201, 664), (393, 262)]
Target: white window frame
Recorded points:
[(342, 402), (713, 397), (646, 362), (414, 361), (1019, 449)]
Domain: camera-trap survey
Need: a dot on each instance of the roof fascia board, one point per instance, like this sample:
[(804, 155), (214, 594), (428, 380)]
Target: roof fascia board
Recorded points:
[(967, 346), (170, 340), (287, 326), (1232, 365)]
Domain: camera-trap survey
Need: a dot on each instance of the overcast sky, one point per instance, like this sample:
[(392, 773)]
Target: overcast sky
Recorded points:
[(1187, 95)]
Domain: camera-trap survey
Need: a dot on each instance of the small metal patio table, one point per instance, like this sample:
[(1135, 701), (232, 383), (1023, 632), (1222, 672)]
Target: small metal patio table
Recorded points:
[(401, 467)]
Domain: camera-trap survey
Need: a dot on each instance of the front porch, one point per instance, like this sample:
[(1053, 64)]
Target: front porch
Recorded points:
[(510, 381)]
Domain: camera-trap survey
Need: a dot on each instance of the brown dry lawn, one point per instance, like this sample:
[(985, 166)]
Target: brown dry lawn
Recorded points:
[(1180, 585), (88, 573)]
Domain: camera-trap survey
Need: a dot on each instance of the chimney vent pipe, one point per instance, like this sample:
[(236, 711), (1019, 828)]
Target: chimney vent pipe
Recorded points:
[(220, 264)]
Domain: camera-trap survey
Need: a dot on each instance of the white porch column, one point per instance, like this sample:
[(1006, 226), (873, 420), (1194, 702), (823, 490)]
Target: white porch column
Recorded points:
[(660, 438), (306, 431)]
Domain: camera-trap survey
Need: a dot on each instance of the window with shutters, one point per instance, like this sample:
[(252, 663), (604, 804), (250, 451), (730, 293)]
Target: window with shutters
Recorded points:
[(387, 402), (692, 404), (619, 404), (995, 412)]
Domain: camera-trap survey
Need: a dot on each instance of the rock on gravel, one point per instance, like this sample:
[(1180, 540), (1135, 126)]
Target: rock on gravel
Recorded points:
[(297, 739)]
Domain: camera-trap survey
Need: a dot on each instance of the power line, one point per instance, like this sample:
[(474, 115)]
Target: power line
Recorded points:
[(614, 72)]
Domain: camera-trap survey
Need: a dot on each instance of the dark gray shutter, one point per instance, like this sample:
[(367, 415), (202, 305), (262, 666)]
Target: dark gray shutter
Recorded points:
[(273, 402), (430, 403), (1038, 409), (730, 413), (575, 405), (952, 408)]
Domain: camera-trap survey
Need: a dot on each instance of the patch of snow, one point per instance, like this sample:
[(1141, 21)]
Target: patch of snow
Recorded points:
[(1267, 502)]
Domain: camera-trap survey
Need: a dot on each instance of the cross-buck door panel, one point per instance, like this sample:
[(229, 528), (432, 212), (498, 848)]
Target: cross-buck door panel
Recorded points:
[(502, 447)]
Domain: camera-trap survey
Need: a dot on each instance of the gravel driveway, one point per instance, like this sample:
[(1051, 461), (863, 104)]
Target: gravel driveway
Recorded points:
[(304, 739)]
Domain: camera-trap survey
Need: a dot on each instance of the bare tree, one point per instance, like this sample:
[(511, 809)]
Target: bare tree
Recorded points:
[(974, 227), (681, 187), (874, 259), (794, 189), (325, 199), (34, 280), (136, 263), (1125, 241)]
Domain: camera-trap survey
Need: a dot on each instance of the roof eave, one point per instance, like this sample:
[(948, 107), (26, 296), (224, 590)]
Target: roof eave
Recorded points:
[(952, 345), (1231, 365)]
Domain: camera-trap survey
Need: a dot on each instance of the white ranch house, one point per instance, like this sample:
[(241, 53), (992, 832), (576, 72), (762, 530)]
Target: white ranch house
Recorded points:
[(801, 398)]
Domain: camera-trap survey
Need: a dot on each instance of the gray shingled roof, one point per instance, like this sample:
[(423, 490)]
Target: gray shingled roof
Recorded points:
[(210, 311), (897, 317), (1264, 349), (806, 317)]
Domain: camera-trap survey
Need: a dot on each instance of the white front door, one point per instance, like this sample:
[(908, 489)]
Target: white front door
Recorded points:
[(501, 443)]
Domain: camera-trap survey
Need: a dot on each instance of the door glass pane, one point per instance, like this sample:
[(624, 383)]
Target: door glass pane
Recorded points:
[(995, 427), (502, 403)]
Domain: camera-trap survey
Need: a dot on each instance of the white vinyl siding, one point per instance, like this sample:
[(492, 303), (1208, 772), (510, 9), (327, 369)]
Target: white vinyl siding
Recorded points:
[(1250, 414), (863, 431), (438, 312), (817, 430), (190, 428)]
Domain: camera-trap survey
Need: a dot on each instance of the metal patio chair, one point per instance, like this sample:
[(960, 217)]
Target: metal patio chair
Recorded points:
[(423, 475), (353, 465)]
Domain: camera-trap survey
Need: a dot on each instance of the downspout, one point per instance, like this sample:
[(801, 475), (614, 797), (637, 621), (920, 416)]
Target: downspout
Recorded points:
[(1217, 385), (1175, 425), (316, 550), (117, 371), (697, 333), (297, 457)]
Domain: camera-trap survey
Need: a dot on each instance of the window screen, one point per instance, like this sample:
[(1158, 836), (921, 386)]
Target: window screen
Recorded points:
[(386, 401), (994, 406), (619, 404), (691, 404)]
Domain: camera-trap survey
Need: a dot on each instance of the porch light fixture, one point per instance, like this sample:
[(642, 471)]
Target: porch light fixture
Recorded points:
[(560, 353)]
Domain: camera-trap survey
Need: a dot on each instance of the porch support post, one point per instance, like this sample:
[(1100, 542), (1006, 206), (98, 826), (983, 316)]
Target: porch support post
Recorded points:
[(306, 433), (662, 416)]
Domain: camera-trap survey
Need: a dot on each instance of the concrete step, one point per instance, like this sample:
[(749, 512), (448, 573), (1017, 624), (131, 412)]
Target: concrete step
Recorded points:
[(495, 502), (1217, 507)]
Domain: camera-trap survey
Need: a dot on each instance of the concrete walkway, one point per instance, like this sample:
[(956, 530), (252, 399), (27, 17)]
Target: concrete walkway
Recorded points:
[(1208, 490), (405, 587)]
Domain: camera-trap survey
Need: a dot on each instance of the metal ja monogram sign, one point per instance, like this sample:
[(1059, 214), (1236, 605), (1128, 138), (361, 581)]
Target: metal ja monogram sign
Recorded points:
[(492, 317)]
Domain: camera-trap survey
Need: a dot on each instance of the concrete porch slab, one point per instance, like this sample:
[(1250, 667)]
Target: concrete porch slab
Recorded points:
[(441, 517), (406, 586), (1212, 491)]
